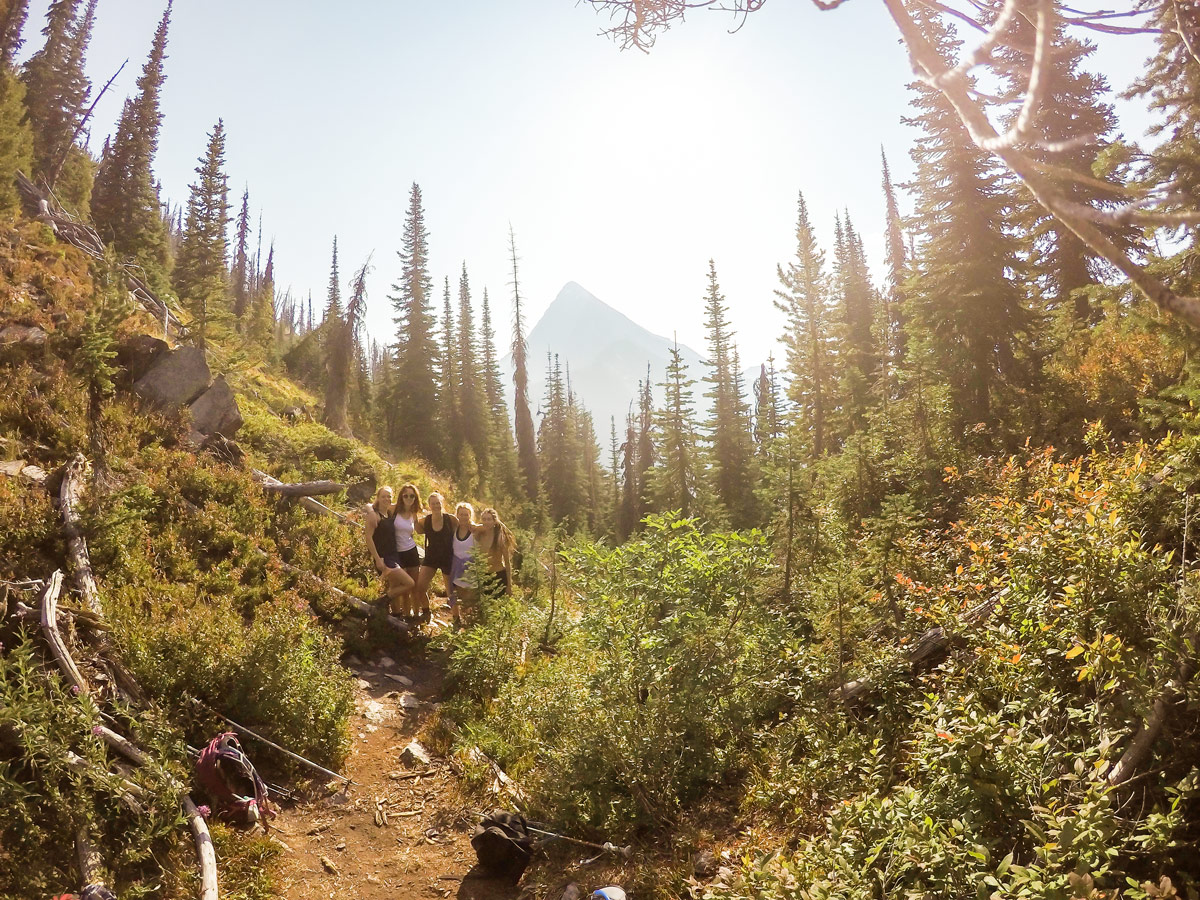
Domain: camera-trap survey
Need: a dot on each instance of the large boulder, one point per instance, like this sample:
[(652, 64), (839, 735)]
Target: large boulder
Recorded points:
[(216, 410), (138, 354), (176, 379), (21, 341)]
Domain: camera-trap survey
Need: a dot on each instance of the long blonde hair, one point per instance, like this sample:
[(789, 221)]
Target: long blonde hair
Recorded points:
[(375, 505)]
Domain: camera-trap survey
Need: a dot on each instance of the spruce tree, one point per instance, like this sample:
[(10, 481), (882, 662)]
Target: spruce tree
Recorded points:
[(16, 140), (125, 201), (336, 349), (645, 443), (675, 476), (262, 314), (804, 298), (452, 418), (859, 360), (416, 397), (627, 517), (767, 423), (504, 472), (200, 273), (56, 96), (966, 299), (615, 477), (472, 400), (12, 22), (241, 264), (1070, 124), (526, 437), (728, 426), (897, 271), (559, 453)]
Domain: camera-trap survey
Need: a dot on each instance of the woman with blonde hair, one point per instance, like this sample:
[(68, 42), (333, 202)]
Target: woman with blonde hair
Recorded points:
[(494, 539), (407, 522), (438, 529), (380, 530), (460, 586)]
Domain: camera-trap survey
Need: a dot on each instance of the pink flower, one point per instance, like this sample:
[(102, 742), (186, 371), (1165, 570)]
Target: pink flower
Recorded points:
[(97, 730), (75, 689), (204, 811)]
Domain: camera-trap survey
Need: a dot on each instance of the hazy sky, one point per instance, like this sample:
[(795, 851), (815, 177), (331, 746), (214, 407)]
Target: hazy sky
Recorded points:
[(620, 170)]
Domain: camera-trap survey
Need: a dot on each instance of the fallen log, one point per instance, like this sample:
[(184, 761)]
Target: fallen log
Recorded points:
[(68, 501), (91, 876), (58, 646), (270, 483), (204, 849), (303, 488), (1139, 748), (360, 608)]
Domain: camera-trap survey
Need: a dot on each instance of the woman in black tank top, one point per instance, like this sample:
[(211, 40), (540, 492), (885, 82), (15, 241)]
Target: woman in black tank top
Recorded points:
[(380, 531), (438, 529)]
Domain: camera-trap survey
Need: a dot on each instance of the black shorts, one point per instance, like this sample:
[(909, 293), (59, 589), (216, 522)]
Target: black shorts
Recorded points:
[(437, 562), (391, 560), (409, 559)]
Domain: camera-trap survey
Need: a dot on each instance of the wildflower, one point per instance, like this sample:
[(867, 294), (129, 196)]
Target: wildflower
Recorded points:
[(76, 690), (204, 811), (97, 730)]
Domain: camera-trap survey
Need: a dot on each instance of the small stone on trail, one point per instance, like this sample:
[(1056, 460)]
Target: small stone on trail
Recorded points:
[(373, 879), (363, 683), (374, 711), (402, 679), (353, 660), (328, 865), (409, 700), (571, 892), (415, 755), (387, 662), (705, 864), (340, 846)]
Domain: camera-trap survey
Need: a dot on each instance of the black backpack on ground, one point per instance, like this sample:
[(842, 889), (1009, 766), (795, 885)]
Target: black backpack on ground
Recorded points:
[(503, 844)]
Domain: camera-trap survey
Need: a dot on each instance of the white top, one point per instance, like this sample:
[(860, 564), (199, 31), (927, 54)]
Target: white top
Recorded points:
[(462, 552), (404, 534)]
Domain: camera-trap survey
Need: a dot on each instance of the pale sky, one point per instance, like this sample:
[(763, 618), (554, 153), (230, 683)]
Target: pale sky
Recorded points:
[(619, 170)]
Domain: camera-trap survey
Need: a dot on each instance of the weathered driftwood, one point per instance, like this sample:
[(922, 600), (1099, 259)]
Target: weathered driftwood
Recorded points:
[(131, 793), (204, 850), (1138, 751), (69, 496), (303, 488), (270, 483), (58, 646), (91, 874)]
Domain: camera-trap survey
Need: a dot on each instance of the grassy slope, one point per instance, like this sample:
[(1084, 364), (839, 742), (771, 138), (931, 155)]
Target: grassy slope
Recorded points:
[(186, 552)]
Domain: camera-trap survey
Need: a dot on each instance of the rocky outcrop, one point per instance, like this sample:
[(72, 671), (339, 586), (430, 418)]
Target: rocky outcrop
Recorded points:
[(176, 379), (216, 410), (138, 354)]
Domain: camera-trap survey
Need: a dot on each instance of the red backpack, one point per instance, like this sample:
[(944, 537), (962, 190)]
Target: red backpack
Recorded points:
[(238, 795)]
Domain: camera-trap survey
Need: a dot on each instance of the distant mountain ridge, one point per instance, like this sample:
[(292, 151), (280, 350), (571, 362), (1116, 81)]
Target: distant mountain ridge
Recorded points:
[(607, 354)]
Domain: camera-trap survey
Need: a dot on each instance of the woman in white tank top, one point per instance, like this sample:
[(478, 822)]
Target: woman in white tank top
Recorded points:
[(408, 511), (464, 545)]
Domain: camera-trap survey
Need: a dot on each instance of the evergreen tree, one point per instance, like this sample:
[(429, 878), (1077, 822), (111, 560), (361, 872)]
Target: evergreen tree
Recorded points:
[(897, 271), (645, 444), (729, 432), (627, 518), (472, 401), (450, 375), (415, 392), (16, 140), (675, 477), (559, 453), (804, 300), (615, 477), (1071, 122), (241, 263), (57, 92), (200, 273), (966, 299), (526, 437), (859, 362), (125, 202), (12, 22), (767, 427), (262, 314), (502, 452)]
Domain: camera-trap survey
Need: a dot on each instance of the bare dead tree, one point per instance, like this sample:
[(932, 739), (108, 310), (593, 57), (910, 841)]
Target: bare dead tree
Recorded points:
[(637, 23)]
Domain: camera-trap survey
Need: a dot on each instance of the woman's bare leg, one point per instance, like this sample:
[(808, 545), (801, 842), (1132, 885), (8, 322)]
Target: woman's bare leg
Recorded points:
[(423, 582), (413, 592), (398, 583)]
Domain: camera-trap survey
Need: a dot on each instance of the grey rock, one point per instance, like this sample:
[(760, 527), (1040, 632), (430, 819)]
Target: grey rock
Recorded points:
[(216, 410), (175, 380), (415, 755), (705, 865), (25, 335), (138, 354)]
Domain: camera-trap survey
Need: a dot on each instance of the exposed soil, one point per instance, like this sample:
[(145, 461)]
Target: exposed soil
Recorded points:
[(340, 845)]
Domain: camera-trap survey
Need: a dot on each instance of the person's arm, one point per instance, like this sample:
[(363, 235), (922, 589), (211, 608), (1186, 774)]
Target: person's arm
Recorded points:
[(372, 520), (507, 547), (418, 523)]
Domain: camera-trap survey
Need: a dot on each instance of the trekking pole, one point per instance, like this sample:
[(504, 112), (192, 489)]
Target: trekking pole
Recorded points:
[(606, 847), (288, 753)]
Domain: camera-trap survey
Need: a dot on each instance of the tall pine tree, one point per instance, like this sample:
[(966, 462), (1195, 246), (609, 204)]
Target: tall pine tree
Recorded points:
[(201, 276), (675, 477), (241, 275), (897, 270), (526, 436), (12, 22), (125, 201), (472, 401), (338, 353), (415, 396)]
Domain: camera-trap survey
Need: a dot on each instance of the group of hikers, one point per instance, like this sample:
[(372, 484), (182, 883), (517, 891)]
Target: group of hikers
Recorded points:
[(451, 543)]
